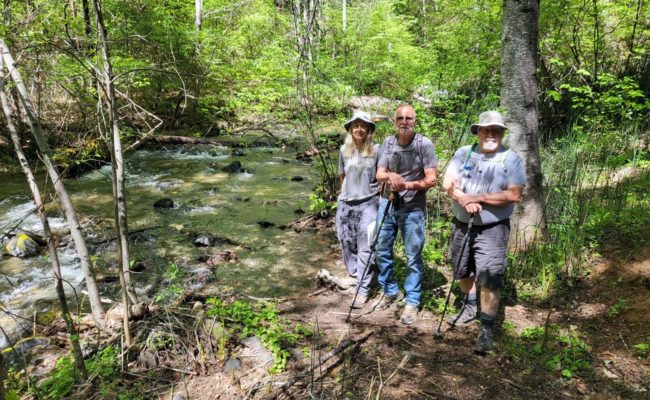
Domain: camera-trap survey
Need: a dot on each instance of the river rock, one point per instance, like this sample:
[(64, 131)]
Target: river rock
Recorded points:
[(297, 179), (22, 246), (232, 364), (253, 347), (106, 277), (265, 224), (223, 257), (139, 266), (148, 359), (371, 103), (232, 168), (215, 329), (164, 203), (197, 307), (327, 278), (203, 241), (238, 152), (138, 311)]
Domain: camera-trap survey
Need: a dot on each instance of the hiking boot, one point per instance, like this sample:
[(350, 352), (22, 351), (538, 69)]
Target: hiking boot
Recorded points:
[(485, 339), (409, 315), (467, 314), (387, 301), (360, 301)]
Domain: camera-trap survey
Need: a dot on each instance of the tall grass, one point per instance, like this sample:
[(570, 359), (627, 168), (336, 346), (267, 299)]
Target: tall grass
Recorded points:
[(597, 186)]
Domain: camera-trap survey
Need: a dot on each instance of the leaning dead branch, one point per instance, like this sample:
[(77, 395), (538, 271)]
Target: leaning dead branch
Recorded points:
[(326, 357)]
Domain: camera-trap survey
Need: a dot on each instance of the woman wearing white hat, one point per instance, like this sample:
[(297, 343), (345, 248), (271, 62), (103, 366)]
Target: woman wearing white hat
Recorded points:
[(358, 201)]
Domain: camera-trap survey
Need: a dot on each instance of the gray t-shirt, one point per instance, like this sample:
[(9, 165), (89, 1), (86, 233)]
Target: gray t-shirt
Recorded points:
[(360, 182), (486, 173), (409, 161)]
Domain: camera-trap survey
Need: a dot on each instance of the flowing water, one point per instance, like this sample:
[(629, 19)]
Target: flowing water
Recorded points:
[(272, 261)]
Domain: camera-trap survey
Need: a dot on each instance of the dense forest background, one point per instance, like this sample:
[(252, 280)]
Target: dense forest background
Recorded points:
[(221, 68), (210, 66)]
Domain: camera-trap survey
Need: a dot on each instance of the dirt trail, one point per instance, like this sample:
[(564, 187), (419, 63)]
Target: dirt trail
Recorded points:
[(610, 311)]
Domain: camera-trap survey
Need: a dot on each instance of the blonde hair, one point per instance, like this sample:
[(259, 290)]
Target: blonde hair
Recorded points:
[(367, 147)]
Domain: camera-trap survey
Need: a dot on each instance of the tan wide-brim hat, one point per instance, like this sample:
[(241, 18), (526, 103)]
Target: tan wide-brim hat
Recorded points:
[(361, 116), (489, 118)]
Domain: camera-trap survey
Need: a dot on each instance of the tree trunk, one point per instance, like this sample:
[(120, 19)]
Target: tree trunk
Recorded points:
[(88, 26), (38, 200), (117, 163), (66, 203), (519, 97), (2, 377), (193, 113), (344, 16)]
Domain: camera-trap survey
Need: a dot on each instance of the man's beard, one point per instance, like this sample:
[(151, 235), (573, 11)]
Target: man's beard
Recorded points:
[(490, 145)]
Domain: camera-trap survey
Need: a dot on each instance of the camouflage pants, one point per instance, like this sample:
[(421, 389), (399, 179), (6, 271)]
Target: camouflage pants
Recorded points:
[(352, 221)]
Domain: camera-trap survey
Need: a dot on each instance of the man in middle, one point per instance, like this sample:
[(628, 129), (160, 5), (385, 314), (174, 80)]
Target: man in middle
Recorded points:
[(407, 163)]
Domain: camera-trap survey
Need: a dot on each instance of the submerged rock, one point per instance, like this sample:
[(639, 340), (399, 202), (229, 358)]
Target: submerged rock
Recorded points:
[(265, 224), (203, 241), (220, 258), (164, 203), (232, 168), (297, 179), (22, 246), (238, 152)]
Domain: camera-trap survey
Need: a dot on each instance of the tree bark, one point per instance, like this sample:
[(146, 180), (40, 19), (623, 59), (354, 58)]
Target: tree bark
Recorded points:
[(2, 377), (38, 200), (198, 48), (519, 97), (117, 163), (70, 213), (344, 16)]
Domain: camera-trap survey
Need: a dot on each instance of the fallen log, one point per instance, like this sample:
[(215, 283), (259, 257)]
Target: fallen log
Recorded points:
[(171, 139)]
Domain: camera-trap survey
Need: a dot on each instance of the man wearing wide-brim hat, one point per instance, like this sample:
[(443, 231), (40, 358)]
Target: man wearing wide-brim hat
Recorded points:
[(485, 180)]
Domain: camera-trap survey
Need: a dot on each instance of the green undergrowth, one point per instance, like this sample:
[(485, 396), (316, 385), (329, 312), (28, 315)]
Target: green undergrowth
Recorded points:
[(597, 184), (642, 350), (103, 371), (262, 320), (242, 319), (555, 348)]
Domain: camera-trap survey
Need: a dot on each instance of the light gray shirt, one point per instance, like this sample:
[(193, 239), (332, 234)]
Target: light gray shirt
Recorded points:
[(486, 173), (409, 161), (360, 182)]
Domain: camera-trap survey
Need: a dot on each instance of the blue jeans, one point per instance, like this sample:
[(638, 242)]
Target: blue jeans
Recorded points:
[(411, 224)]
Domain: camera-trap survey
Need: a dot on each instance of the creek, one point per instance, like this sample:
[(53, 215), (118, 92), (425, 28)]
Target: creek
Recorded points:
[(271, 262)]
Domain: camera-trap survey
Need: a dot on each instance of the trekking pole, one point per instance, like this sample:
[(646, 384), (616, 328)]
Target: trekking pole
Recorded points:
[(438, 334), (391, 198)]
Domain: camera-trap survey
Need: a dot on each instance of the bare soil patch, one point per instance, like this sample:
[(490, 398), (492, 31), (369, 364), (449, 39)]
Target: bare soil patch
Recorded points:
[(407, 362)]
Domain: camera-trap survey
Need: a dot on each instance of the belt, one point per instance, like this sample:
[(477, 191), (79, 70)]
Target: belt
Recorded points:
[(487, 226), (397, 200)]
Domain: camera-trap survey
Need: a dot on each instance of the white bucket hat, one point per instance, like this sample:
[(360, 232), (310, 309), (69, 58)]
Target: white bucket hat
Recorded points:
[(489, 118), (363, 116)]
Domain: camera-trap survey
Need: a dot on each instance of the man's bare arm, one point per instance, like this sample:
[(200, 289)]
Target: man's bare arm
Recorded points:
[(398, 184), (425, 183), (511, 195)]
